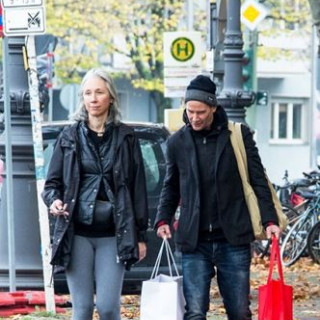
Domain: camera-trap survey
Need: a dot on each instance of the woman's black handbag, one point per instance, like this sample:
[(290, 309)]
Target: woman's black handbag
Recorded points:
[(103, 212)]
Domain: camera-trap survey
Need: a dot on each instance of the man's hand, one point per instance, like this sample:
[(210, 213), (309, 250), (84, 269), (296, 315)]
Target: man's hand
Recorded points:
[(273, 229), (164, 231)]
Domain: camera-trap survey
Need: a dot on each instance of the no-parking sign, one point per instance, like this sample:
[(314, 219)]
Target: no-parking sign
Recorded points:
[(23, 17)]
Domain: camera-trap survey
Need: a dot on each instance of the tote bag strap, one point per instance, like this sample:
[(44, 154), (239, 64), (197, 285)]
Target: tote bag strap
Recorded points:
[(170, 258), (275, 258)]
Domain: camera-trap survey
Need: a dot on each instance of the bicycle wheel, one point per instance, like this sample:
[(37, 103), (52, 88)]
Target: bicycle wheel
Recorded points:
[(260, 248), (295, 241), (314, 243)]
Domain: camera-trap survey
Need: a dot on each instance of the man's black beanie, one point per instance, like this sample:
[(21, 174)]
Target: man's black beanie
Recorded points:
[(203, 89)]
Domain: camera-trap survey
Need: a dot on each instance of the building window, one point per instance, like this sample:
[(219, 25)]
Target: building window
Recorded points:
[(286, 122)]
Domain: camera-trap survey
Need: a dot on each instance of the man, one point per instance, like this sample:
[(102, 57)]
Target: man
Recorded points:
[(214, 228)]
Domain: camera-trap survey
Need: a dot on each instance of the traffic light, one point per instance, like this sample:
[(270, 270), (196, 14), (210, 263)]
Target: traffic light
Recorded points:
[(248, 72)]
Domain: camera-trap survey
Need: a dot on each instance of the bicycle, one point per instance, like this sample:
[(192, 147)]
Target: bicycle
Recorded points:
[(295, 241), (295, 197), (313, 243), (260, 248), (290, 192)]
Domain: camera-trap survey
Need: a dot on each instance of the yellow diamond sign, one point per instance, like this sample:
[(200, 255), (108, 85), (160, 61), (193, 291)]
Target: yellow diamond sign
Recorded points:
[(252, 13)]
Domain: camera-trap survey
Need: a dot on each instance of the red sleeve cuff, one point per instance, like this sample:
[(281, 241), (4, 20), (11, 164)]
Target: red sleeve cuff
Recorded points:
[(268, 224), (161, 223)]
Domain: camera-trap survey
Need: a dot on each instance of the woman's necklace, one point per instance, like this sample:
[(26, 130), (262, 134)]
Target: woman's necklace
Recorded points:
[(100, 133)]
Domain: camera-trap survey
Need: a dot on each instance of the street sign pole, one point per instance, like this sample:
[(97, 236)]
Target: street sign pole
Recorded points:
[(40, 171), (8, 161)]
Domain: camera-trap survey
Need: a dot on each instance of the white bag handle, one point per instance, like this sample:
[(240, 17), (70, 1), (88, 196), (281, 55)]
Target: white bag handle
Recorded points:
[(157, 263), (170, 258)]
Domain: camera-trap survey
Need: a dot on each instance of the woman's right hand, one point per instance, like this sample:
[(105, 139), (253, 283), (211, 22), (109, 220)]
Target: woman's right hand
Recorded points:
[(57, 208)]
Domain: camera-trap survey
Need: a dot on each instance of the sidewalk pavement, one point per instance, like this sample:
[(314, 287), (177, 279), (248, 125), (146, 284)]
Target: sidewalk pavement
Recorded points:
[(304, 276)]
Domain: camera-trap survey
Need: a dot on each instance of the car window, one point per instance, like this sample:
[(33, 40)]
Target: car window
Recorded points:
[(151, 166), (47, 154)]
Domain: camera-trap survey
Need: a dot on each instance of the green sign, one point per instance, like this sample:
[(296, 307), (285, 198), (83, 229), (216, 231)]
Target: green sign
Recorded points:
[(182, 49), (262, 98)]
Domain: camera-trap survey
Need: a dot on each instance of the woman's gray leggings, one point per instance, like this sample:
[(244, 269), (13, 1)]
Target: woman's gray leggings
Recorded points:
[(94, 260)]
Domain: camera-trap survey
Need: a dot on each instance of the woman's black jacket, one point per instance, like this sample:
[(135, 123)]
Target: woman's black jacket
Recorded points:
[(181, 186), (131, 209)]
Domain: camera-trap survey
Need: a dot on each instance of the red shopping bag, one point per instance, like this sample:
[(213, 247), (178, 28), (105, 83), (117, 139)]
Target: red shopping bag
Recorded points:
[(275, 297)]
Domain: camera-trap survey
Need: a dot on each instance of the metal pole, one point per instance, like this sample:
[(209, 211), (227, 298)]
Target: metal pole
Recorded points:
[(8, 163), (216, 12), (50, 75), (189, 15), (313, 149), (233, 98), (36, 119), (317, 66)]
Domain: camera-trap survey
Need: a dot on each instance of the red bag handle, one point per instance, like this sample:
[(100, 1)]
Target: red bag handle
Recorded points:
[(275, 257)]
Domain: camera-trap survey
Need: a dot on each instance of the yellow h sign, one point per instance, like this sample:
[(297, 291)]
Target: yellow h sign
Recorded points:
[(182, 49)]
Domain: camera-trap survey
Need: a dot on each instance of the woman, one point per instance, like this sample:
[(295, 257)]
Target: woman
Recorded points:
[(96, 188)]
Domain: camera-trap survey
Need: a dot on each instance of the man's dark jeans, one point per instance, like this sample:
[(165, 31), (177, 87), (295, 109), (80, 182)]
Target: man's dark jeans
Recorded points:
[(232, 266)]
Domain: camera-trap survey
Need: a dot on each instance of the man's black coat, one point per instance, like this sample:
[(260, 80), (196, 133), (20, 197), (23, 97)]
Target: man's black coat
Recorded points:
[(182, 186)]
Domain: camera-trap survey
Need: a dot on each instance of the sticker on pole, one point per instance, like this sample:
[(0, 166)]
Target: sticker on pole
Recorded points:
[(24, 21), (252, 13)]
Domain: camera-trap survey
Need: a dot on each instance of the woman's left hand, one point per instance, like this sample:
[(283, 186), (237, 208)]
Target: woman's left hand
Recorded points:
[(142, 250)]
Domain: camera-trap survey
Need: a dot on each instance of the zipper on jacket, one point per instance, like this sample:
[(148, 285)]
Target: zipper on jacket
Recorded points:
[(204, 141), (210, 227)]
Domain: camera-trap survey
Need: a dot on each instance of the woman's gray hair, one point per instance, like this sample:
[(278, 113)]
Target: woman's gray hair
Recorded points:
[(81, 114)]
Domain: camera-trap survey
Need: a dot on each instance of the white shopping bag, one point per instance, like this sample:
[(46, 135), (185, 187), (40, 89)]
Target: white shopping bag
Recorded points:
[(162, 295), (162, 298)]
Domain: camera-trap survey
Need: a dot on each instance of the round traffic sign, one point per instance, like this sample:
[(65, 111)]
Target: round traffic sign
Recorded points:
[(182, 49)]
